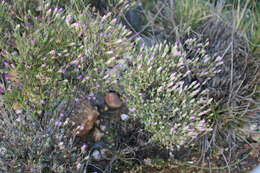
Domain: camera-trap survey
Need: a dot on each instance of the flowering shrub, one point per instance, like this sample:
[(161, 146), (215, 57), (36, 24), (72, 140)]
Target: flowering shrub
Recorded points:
[(32, 146), (237, 81), (168, 92), (56, 53), (53, 51)]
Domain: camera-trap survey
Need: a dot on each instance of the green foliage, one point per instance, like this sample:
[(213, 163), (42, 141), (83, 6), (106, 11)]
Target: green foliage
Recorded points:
[(230, 28), (175, 18), (53, 50), (168, 99), (56, 53), (244, 16)]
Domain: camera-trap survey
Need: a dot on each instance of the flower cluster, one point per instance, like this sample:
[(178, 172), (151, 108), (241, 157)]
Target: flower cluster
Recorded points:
[(61, 53), (168, 92)]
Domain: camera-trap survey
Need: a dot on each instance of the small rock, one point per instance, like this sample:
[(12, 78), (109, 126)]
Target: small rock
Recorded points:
[(69, 20), (99, 101), (84, 118), (103, 128), (100, 154), (124, 117), (113, 101), (3, 151), (96, 155)]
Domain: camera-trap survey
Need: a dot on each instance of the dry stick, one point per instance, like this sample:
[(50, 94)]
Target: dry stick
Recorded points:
[(222, 153), (205, 149), (210, 170), (232, 68), (205, 146)]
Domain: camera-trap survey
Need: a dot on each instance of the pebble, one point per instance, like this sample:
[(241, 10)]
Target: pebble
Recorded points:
[(124, 117), (85, 118), (99, 155), (113, 101), (96, 155), (99, 101), (102, 128)]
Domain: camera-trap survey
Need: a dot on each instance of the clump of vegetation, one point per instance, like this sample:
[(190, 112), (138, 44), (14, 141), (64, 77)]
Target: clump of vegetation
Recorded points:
[(163, 75), (228, 31), (197, 86), (178, 20), (56, 52), (30, 145), (221, 32), (48, 57)]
